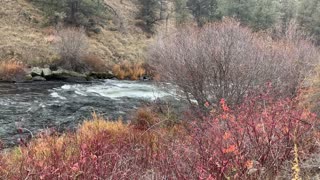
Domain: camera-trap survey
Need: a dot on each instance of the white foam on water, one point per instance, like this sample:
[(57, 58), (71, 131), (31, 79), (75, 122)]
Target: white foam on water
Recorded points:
[(66, 87), (56, 95), (80, 93), (5, 103), (113, 89)]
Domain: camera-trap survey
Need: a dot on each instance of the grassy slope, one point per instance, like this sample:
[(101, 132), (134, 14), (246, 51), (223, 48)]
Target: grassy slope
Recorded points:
[(118, 46), (22, 34), (19, 36)]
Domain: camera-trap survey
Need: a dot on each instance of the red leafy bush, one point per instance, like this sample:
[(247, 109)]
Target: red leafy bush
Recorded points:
[(251, 141)]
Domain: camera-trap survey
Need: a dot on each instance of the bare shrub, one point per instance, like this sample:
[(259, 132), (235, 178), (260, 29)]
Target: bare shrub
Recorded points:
[(94, 63), (155, 115), (310, 167), (311, 95), (72, 46), (291, 32), (144, 119), (225, 60)]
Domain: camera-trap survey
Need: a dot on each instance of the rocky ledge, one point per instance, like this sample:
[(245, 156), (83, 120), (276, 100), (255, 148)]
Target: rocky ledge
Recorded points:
[(46, 74)]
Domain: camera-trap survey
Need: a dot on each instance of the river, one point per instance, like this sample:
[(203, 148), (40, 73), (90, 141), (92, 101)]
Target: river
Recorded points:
[(43, 105)]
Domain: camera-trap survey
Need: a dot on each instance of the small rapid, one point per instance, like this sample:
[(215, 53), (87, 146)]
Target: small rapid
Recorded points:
[(38, 106)]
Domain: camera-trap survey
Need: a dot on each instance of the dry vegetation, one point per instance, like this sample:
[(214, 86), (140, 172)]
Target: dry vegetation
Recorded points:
[(226, 60), (114, 45), (94, 63), (12, 70), (71, 46), (311, 97), (23, 37), (127, 70)]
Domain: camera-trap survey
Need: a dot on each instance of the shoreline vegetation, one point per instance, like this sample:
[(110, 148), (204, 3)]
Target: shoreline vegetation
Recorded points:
[(15, 71)]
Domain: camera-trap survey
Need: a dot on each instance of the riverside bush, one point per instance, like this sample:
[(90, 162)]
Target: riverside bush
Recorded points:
[(252, 141), (72, 46), (94, 63), (127, 70), (226, 60)]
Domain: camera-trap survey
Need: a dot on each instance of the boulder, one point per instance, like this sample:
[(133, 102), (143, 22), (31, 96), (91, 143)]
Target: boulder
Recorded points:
[(28, 77), (36, 71), (65, 75), (46, 72), (38, 78)]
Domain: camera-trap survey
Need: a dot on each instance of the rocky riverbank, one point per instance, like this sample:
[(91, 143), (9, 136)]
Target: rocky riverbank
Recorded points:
[(46, 74), (37, 74)]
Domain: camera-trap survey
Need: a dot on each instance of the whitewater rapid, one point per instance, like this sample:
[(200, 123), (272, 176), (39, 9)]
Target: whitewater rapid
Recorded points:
[(38, 106)]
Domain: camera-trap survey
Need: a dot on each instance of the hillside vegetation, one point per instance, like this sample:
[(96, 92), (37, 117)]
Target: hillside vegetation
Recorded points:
[(25, 37)]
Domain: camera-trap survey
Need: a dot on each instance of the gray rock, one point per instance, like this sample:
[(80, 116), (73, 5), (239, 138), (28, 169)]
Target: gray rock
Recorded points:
[(38, 78), (28, 77), (46, 72), (65, 75), (36, 71)]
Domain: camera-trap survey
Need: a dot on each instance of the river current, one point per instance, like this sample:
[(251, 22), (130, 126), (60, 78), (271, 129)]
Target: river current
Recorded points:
[(43, 105)]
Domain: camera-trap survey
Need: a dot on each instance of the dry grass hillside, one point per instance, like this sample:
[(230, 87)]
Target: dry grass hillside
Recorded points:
[(20, 33), (23, 36)]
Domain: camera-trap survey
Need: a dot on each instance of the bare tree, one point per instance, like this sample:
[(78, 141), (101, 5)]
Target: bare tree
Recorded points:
[(225, 60)]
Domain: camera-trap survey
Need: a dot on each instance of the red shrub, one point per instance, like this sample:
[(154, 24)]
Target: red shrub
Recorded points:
[(252, 141)]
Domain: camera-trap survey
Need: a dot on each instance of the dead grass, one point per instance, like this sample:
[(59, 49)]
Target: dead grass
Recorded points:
[(127, 70), (49, 153), (144, 119), (115, 47), (89, 129), (23, 37), (12, 70), (99, 148)]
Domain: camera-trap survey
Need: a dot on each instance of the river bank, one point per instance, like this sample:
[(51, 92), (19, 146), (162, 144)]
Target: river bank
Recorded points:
[(13, 71)]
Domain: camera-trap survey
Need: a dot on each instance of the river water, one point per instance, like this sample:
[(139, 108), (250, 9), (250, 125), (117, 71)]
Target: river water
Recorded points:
[(43, 105)]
